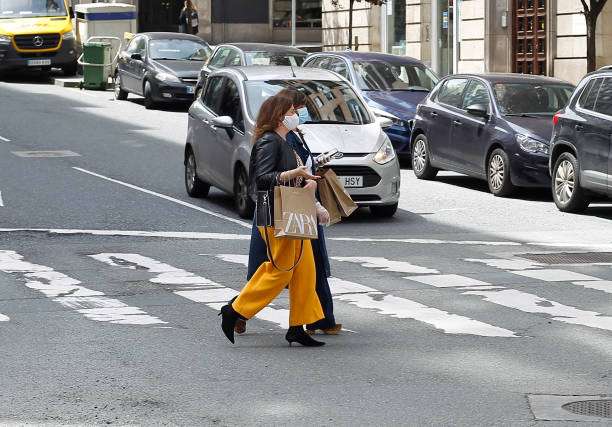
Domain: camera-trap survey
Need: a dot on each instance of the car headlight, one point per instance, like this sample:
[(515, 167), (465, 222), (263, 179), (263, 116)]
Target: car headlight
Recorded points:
[(380, 113), (68, 35), (385, 153), (5, 39), (531, 145), (167, 77)]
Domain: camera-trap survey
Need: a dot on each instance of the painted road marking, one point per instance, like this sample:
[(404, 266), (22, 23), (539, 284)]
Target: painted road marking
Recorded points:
[(1, 201), (554, 275), (164, 234), (369, 298), (189, 285), (600, 285), (163, 196), (67, 292), (385, 264), (4, 139), (427, 241), (44, 154), (448, 281), (507, 264), (4, 318)]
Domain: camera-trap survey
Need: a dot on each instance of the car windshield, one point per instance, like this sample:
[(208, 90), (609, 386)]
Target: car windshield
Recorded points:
[(179, 49), (387, 76), (527, 99), (31, 8), (274, 58), (327, 101)]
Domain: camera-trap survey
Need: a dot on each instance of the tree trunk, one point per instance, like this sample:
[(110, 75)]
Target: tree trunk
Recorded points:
[(350, 34), (590, 24)]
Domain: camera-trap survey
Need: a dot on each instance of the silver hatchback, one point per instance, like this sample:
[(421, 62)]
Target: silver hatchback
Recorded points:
[(220, 134)]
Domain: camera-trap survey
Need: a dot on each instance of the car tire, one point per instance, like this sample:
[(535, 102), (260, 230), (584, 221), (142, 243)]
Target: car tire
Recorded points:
[(386, 211), (242, 201), (195, 186), (148, 96), (566, 190), (498, 173), (120, 94), (70, 70), (421, 164)]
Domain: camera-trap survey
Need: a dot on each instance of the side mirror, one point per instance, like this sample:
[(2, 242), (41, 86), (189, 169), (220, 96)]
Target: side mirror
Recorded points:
[(384, 122), (222, 122), (137, 56), (478, 110)]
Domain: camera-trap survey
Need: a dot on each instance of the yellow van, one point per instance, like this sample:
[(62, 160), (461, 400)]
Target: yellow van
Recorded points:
[(37, 34)]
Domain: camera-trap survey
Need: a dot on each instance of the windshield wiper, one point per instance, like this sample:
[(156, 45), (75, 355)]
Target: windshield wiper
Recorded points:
[(410, 90), (330, 122), (168, 59)]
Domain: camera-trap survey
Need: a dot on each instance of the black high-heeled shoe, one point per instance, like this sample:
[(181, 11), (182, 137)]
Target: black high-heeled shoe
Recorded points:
[(228, 321), (297, 334)]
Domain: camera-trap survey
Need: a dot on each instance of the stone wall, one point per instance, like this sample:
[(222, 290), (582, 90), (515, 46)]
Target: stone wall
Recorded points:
[(366, 25), (418, 29), (472, 35)]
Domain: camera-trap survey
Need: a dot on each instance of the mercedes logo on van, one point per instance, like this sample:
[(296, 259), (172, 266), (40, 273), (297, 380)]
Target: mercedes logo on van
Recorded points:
[(38, 41), (338, 155)]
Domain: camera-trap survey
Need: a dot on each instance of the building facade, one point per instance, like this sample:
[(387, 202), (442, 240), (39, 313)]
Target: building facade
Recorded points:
[(531, 36)]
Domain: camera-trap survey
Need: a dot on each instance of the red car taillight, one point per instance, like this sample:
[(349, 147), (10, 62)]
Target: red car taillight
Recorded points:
[(556, 117)]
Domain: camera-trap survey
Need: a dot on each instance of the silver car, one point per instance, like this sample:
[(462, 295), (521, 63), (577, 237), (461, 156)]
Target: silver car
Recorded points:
[(220, 134)]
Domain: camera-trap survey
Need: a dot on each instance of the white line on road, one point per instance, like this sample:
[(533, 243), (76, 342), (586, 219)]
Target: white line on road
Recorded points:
[(4, 318), (163, 196), (192, 287), (1, 201), (67, 292), (385, 264), (4, 139), (427, 241), (370, 298), (165, 234)]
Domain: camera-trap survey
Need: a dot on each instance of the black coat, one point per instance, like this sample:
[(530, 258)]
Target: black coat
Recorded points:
[(270, 156)]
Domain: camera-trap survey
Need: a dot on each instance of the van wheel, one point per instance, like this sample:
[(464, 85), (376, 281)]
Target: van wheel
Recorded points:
[(148, 96), (386, 211), (195, 186), (566, 190), (421, 164), (498, 173), (243, 202), (120, 94)]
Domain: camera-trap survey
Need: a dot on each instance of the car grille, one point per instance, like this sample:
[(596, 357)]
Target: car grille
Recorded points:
[(28, 42), (190, 80), (370, 177)]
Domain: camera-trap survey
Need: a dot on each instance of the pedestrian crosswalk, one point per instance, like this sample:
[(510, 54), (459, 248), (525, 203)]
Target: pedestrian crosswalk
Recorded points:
[(93, 304)]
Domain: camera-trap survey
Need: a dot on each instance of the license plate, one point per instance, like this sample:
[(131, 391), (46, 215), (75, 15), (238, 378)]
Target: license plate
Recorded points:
[(190, 89), (38, 62), (351, 181)]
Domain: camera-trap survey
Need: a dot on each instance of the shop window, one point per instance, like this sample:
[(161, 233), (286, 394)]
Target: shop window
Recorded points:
[(307, 14)]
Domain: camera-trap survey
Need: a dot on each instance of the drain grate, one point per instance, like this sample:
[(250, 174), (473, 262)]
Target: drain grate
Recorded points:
[(60, 153), (570, 257), (592, 408)]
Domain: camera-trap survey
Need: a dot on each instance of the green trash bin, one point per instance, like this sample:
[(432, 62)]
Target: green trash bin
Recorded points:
[(96, 76)]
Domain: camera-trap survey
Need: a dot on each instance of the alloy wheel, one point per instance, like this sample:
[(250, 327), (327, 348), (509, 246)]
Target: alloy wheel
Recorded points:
[(496, 171), (242, 190), (564, 181), (191, 172), (117, 86), (419, 157)]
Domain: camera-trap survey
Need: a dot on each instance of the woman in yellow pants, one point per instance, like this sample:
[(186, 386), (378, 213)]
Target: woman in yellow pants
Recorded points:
[(274, 162)]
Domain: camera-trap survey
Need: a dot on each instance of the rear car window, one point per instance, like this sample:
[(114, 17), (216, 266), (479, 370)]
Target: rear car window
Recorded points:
[(451, 92), (603, 104)]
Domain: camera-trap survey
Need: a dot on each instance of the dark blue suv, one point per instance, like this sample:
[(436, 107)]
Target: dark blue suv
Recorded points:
[(581, 145), (392, 86)]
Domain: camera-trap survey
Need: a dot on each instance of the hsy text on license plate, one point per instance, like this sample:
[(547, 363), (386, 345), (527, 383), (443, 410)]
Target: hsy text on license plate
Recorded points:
[(351, 181)]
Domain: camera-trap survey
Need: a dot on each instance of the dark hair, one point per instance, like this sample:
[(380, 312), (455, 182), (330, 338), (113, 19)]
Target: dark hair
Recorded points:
[(296, 96), (271, 114)]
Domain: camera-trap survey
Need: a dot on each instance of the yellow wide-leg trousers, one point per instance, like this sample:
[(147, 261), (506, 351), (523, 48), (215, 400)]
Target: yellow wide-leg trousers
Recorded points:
[(268, 282)]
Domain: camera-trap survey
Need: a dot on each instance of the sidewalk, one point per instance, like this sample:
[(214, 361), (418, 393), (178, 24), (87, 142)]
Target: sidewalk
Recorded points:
[(75, 81)]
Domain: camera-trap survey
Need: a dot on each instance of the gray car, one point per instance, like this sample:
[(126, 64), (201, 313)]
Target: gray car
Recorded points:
[(220, 134)]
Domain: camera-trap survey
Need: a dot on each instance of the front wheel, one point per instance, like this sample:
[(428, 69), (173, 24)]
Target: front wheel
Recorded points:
[(498, 173), (148, 96), (120, 94), (567, 193), (386, 211), (243, 202), (195, 186), (421, 164)]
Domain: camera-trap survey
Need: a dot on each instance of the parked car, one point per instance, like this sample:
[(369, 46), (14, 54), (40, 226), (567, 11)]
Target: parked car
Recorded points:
[(391, 85), (162, 67), (491, 126), (248, 54), (581, 152), (220, 134)]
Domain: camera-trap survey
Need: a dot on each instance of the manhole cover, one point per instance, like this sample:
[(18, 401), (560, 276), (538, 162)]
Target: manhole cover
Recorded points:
[(570, 257), (61, 153), (592, 408)]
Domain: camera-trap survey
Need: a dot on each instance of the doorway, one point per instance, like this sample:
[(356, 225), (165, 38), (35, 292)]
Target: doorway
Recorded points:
[(529, 37), (159, 15)]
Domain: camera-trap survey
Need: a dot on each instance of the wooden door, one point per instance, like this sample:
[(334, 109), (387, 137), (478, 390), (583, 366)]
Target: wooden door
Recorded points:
[(529, 37)]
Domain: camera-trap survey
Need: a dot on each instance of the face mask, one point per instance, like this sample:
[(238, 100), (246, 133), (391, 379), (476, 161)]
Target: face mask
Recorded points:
[(291, 122), (303, 115)]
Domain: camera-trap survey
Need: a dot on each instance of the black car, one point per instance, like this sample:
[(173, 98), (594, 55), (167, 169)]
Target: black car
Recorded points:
[(162, 67), (581, 144), (247, 54), (491, 126)]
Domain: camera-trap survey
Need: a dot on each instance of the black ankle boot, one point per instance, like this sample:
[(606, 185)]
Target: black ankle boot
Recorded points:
[(228, 321), (297, 333)]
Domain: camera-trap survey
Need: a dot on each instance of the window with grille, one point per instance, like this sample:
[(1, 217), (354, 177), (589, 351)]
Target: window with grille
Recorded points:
[(529, 37)]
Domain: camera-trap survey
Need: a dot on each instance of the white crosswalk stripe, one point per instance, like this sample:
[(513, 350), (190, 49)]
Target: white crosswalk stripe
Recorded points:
[(4, 318), (191, 286), (67, 292), (402, 308), (385, 264)]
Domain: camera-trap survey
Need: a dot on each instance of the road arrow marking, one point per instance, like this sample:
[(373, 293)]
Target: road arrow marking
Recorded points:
[(4, 139)]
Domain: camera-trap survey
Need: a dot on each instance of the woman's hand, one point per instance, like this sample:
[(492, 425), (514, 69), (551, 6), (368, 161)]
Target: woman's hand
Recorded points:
[(322, 214), (299, 171)]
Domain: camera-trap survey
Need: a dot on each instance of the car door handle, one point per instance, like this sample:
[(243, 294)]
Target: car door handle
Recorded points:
[(457, 122), (433, 114), (578, 127)]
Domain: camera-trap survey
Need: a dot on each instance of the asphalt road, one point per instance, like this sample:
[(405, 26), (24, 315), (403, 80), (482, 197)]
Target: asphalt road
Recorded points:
[(111, 278)]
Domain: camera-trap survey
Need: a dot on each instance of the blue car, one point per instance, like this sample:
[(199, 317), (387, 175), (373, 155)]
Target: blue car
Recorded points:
[(391, 85)]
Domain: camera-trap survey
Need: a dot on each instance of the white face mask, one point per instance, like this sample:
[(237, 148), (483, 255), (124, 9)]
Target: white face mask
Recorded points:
[(291, 122)]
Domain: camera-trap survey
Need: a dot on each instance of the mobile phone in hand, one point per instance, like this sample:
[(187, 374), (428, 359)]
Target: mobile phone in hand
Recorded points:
[(320, 157)]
